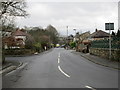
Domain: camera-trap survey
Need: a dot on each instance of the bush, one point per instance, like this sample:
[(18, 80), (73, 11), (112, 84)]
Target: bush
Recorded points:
[(37, 47), (72, 44)]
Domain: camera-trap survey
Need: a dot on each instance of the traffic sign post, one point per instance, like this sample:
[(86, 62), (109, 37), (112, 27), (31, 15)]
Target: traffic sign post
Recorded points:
[(109, 26)]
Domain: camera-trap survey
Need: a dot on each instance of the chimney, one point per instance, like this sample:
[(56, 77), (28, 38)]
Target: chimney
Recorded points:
[(96, 30)]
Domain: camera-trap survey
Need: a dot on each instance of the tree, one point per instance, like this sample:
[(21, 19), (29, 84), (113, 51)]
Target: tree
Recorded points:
[(52, 32), (118, 33), (46, 37), (113, 34), (29, 42), (7, 25), (72, 44), (11, 9), (40, 36)]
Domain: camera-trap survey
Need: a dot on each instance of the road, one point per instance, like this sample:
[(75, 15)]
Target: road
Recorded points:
[(60, 68)]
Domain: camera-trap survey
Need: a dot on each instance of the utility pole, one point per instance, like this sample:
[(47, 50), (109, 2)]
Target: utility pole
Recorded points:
[(67, 30)]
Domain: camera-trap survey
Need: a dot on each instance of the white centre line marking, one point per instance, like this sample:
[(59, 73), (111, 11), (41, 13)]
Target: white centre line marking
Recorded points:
[(63, 72), (90, 87), (58, 60), (60, 67), (59, 55)]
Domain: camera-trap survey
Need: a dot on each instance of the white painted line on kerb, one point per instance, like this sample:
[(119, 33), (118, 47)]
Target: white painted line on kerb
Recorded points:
[(63, 72), (17, 69), (90, 87)]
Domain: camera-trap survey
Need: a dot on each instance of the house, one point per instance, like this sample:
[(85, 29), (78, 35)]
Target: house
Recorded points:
[(20, 37), (82, 41), (98, 35), (70, 38), (8, 42), (16, 39)]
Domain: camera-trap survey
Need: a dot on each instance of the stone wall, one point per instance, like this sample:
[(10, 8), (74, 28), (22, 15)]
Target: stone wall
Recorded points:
[(18, 52), (104, 53), (0, 50)]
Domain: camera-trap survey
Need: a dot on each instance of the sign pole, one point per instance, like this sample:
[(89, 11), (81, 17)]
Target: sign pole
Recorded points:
[(109, 26), (109, 43)]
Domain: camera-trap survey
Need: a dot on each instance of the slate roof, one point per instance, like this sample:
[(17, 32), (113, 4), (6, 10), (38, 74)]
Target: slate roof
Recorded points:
[(99, 34), (19, 33)]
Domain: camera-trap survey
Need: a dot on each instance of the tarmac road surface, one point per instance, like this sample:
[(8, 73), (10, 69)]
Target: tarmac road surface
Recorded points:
[(59, 68)]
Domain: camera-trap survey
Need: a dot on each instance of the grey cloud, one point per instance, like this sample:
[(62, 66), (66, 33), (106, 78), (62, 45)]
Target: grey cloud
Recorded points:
[(83, 15)]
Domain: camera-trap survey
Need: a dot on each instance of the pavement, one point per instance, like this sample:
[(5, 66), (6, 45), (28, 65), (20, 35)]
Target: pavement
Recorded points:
[(60, 68), (100, 61), (9, 66)]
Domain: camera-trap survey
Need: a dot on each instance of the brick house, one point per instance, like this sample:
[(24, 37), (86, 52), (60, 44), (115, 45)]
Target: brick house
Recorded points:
[(16, 39)]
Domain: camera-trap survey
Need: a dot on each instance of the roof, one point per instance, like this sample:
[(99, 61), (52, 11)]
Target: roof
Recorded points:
[(9, 40), (99, 34), (19, 33)]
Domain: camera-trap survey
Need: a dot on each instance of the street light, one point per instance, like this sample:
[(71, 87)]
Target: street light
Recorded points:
[(67, 30)]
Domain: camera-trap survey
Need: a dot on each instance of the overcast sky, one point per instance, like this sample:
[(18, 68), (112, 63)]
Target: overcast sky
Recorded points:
[(83, 16)]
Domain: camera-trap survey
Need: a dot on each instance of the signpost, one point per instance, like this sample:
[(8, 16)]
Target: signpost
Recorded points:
[(109, 26)]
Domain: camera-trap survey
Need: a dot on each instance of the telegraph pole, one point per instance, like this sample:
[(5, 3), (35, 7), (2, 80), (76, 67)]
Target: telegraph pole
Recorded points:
[(67, 30)]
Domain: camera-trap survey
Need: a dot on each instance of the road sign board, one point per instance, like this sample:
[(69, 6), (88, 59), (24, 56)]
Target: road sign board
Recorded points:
[(109, 26)]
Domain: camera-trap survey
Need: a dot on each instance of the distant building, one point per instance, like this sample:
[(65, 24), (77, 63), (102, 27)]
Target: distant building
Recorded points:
[(70, 38)]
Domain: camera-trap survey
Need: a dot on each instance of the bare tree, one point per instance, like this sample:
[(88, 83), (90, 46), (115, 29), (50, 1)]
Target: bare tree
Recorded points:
[(11, 9)]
